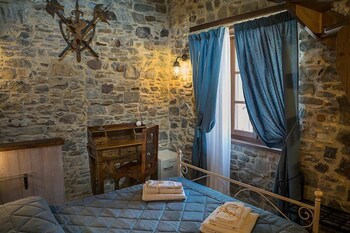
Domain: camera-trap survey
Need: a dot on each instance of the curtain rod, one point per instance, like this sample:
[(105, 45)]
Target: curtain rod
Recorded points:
[(240, 18)]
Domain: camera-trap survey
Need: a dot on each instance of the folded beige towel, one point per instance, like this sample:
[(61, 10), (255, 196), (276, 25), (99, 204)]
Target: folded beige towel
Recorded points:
[(246, 227), (163, 184), (229, 224), (161, 191), (162, 197), (230, 211)]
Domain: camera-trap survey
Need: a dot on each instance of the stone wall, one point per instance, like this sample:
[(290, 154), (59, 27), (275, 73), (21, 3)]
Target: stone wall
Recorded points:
[(42, 97), (325, 157), (325, 122)]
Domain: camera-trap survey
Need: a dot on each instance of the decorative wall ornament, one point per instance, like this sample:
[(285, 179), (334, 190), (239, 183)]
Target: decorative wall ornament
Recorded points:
[(76, 31)]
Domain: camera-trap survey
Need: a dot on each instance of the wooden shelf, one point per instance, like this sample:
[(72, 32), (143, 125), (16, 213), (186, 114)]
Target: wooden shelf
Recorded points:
[(31, 144)]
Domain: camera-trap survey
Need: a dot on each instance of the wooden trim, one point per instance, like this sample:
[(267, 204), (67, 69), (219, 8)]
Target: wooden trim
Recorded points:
[(31, 144), (245, 16)]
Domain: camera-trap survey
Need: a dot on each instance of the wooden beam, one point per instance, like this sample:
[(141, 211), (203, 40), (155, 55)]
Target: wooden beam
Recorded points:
[(316, 5), (237, 18), (312, 19)]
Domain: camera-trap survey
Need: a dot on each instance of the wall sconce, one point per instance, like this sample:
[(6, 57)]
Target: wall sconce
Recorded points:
[(176, 65)]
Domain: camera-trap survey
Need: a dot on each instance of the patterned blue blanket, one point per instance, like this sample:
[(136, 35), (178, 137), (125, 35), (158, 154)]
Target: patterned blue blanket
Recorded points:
[(124, 211)]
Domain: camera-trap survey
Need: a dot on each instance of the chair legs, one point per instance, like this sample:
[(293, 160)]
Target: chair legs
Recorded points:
[(116, 184), (134, 180)]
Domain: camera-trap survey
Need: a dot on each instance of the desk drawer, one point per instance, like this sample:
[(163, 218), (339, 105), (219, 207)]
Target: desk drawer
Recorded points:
[(128, 150), (110, 153), (121, 155)]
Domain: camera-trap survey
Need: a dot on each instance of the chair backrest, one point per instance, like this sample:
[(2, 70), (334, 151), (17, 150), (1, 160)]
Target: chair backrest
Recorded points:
[(150, 148)]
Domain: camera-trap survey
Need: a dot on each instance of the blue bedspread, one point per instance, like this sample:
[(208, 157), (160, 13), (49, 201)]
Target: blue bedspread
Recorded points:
[(124, 211)]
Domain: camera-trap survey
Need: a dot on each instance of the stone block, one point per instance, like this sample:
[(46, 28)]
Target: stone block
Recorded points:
[(94, 64), (7, 73), (344, 108), (107, 88), (243, 158), (19, 86), (344, 168), (321, 117), (344, 137), (62, 69), (131, 72), (139, 7), (68, 119), (164, 33), (261, 165), (42, 89), (138, 18), (143, 32), (96, 110), (163, 135), (311, 100), (4, 97), (19, 63), (174, 111), (345, 150), (161, 8), (330, 153), (131, 97), (250, 154), (311, 178), (184, 123), (150, 18), (307, 88), (58, 83), (320, 167)]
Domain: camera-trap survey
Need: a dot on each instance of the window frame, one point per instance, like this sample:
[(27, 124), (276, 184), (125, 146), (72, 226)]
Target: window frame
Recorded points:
[(238, 135)]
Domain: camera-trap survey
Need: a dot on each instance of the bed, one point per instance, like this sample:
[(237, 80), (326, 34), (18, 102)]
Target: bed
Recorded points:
[(124, 211)]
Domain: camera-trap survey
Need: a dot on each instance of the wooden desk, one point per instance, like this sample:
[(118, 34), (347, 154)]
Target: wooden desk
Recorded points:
[(110, 146)]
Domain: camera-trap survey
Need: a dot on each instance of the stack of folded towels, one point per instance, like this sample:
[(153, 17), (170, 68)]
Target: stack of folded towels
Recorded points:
[(158, 190), (230, 217)]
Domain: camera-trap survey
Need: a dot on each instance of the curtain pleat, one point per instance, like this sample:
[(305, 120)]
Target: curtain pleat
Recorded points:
[(267, 52), (205, 53)]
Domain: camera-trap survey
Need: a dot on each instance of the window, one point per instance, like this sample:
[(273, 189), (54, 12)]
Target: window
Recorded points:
[(242, 128)]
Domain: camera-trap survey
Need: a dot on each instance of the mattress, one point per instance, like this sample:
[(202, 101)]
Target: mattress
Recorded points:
[(124, 211)]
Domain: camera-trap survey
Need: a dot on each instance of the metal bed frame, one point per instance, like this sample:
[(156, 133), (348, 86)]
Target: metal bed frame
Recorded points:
[(305, 211)]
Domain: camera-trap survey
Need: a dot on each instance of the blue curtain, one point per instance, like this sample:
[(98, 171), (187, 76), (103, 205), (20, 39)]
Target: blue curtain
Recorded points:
[(267, 52), (205, 53)]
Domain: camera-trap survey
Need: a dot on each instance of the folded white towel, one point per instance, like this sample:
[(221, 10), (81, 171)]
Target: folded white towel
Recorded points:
[(229, 224), (246, 227), (163, 197), (161, 191), (163, 184)]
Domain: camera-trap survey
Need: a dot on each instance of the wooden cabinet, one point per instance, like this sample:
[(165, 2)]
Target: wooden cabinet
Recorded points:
[(32, 168), (109, 147)]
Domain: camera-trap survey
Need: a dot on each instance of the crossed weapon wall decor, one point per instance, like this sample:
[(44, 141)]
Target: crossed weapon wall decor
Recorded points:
[(76, 31)]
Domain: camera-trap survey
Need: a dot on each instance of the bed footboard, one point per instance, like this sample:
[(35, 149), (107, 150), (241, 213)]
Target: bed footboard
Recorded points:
[(305, 211)]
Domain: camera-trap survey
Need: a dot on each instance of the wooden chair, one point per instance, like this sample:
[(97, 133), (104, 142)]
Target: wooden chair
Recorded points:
[(148, 166)]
